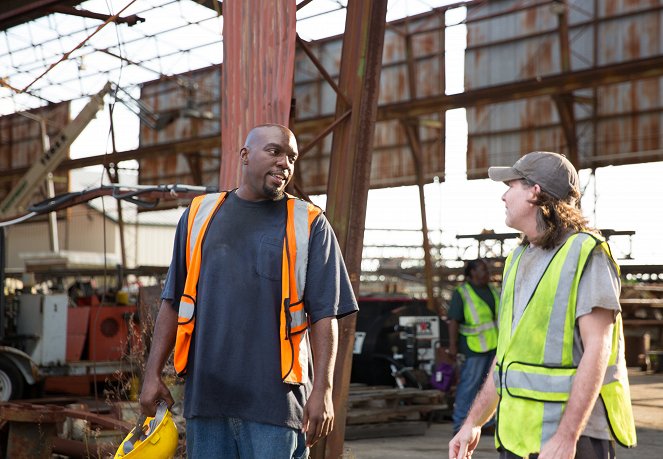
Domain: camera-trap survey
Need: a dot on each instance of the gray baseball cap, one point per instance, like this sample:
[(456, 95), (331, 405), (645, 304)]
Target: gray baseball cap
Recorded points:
[(551, 171)]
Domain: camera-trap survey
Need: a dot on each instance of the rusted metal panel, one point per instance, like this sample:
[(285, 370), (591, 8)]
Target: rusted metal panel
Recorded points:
[(21, 142), (259, 56), (616, 124), (191, 103), (629, 123), (392, 160), (315, 98)]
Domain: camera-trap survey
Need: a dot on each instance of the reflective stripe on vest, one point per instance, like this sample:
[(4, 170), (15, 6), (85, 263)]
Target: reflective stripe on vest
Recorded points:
[(294, 321), (201, 211), (301, 224), (201, 217), (480, 336), (544, 384), (535, 361)]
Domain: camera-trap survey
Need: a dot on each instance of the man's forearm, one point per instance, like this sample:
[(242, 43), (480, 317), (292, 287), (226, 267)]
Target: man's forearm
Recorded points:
[(163, 339), (596, 331), (324, 342), (453, 335)]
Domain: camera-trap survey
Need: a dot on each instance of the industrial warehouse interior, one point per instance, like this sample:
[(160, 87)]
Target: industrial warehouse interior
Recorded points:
[(116, 114)]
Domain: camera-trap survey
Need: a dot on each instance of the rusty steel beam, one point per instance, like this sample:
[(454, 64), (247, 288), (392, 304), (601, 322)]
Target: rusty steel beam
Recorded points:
[(414, 140), (171, 148), (651, 67), (564, 101), (303, 4), (321, 68), (32, 429), (541, 86), (195, 166), (412, 133), (549, 85), (324, 133), (349, 174), (15, 14), (257, 73), (130, 20)]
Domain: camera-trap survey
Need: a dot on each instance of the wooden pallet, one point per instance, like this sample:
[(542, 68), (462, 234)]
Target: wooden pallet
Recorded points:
[(376, 411)]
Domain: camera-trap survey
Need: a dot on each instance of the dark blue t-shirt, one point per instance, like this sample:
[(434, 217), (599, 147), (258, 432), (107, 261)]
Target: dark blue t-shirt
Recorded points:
[(234, 361)]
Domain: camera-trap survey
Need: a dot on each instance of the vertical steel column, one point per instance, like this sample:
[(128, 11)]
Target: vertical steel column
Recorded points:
[(412, 133), (411, 128), (257, 73), (349, 174), (565, 101), (50, 191)]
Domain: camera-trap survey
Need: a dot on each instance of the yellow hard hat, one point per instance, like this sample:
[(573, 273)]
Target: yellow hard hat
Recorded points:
[(155, 439)]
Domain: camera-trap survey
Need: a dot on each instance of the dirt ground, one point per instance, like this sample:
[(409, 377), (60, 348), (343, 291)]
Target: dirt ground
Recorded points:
[(647, 399)]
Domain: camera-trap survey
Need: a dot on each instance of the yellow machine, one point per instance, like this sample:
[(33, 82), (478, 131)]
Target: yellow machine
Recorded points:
[(153, 438)]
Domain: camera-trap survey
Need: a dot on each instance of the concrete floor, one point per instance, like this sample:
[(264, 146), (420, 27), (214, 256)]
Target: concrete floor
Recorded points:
[(647, 399)]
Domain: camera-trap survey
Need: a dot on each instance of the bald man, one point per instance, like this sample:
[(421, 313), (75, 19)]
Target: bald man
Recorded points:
[(254, 290)]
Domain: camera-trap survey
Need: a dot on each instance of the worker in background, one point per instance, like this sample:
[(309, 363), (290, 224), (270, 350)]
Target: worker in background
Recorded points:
[(559, 383), (472, 334), (254, 290)]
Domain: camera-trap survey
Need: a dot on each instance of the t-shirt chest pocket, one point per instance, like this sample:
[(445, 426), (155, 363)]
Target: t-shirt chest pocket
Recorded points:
[(270, 252)]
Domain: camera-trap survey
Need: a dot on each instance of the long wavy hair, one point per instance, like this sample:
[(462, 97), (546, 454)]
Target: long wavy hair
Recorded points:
[(555, 218)]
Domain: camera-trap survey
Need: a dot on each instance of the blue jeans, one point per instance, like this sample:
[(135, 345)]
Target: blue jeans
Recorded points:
[(472, 375), (234, 438)]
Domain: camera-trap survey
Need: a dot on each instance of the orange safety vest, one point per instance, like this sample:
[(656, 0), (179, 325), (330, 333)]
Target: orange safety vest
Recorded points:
[(293, 318)]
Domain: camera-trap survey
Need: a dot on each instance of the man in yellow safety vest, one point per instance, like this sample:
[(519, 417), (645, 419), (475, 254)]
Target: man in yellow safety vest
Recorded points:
[(559, 385), (472, 323)]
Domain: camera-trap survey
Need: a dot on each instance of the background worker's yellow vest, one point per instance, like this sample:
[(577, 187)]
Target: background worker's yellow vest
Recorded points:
[(535, 362), (480, 327), (293, 318)]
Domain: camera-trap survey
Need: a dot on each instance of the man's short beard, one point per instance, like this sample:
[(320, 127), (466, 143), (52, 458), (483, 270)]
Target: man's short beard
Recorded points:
[(273, 193)]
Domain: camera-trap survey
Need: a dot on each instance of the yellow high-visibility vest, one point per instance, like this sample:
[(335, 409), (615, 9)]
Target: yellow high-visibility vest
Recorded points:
[(536, 363), (480, 327)]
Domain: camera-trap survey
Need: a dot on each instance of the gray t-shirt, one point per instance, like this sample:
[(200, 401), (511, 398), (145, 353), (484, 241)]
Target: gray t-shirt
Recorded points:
[(599, 287), (234, 360)]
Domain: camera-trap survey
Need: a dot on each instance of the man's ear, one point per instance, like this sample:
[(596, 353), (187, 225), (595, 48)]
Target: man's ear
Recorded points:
[(244, 155), (536, 190)]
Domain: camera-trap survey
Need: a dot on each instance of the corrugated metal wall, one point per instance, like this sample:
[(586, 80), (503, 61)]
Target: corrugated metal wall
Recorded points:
[(616, 124), (392, 162), (182, 101)]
